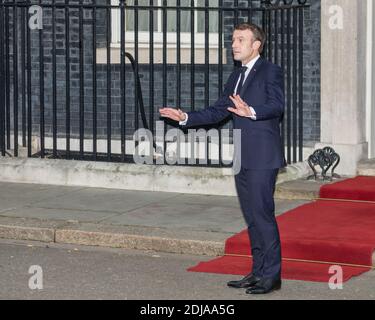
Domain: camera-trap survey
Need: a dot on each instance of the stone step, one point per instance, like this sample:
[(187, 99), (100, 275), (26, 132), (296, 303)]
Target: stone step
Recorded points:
[(291, 184), (161, 178), (366, 167), (301, 189)]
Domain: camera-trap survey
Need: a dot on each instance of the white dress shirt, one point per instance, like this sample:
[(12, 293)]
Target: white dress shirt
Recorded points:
[(249, 66)]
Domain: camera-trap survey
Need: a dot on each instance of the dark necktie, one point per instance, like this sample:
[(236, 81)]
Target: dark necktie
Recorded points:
[(242, 78)]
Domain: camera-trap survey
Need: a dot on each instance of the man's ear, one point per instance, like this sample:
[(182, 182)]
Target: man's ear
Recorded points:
[(257, 44)]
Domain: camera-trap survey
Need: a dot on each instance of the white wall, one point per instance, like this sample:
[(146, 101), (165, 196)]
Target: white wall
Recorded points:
[(371, 116), (343, 81), (370, 96)]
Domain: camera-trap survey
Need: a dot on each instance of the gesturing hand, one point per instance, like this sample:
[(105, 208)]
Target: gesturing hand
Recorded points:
[(174, 114), (241, 108)]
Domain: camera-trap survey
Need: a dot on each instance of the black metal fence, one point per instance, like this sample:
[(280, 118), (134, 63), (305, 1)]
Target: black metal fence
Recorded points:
[(68, 91)]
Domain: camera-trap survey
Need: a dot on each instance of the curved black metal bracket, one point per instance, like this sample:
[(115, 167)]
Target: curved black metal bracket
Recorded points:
[(326, 159), (139, 99)]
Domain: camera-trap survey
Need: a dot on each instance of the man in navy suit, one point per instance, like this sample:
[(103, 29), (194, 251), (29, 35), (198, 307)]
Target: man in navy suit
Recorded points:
[(254, 97)]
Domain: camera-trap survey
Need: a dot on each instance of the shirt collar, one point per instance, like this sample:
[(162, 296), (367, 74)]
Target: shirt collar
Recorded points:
[(251, 64)]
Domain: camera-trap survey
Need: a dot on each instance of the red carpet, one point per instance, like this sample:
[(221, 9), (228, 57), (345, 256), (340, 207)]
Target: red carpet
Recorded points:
[(305, 271), (359, 188), (334, 232)]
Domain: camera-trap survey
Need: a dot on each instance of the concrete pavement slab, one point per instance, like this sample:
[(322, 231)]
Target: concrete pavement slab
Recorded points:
[(58, 214), (16, 195), (195, 217), (204, 217), (109, 200), (208, 200)]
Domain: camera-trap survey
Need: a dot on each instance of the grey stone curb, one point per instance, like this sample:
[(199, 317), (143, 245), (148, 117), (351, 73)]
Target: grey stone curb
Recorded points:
[(112, 236), (127, 241), (27, 233), (84, 234)]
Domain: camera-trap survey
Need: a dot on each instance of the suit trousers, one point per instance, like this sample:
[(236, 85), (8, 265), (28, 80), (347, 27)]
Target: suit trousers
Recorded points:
[(255, 190)]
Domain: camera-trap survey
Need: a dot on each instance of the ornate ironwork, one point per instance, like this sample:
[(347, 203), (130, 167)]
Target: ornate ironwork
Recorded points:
[(326, 159)]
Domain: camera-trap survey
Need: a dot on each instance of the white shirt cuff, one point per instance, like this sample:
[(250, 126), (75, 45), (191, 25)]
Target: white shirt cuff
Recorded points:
[(254, 116), (183, 123)]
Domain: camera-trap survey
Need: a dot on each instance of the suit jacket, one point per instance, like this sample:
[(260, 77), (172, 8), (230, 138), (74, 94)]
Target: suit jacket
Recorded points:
[(263, 90)]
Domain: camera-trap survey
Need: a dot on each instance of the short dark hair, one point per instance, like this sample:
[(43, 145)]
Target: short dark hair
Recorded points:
[(259, 34)]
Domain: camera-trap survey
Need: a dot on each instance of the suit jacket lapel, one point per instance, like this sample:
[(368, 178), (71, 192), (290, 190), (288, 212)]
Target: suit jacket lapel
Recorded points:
[(251, 75)]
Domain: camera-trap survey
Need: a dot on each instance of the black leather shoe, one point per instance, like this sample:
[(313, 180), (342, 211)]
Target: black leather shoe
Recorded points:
[(265, 286), (247, 282)]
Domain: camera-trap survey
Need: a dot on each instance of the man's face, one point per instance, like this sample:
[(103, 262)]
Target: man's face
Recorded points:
[(245, 48)]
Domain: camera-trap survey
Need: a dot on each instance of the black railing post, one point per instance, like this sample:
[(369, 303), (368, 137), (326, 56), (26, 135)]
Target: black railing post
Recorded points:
[(109, 82), (178, 54), (2, 81), (206, 54), (81, 84), (288, 89), (136, 57), (220, 54), (269, 36), (7, 77), (67, 78), (54, 82), (23, 68), (41, 90), (122, 80), (282, 49), (236, 12), (15, 80), (300, 86), (152, 75), (95, 86), (29, 100), (250, 11), (192, 56), (220, 71), (207, 68), (295, 78), (276, 32), (165, 79)]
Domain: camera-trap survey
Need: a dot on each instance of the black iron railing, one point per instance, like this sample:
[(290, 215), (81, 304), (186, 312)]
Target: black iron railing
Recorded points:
[(65, 94)]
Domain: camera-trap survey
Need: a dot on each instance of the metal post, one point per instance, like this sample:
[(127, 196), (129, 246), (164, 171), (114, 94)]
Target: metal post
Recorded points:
[(2, 81)]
